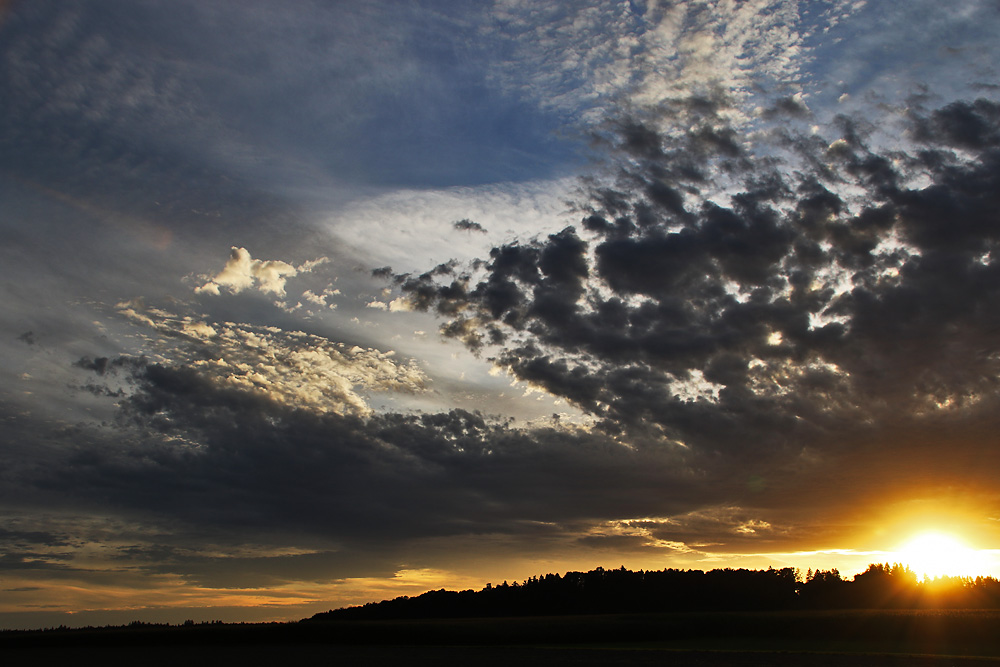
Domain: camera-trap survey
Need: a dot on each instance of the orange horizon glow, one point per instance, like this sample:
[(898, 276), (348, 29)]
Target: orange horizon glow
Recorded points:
[(948, 542), (933, 553)]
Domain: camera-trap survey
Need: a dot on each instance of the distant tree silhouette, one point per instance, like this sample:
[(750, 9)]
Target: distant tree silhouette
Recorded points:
[(600, 591), (885, 587), (824, 589)]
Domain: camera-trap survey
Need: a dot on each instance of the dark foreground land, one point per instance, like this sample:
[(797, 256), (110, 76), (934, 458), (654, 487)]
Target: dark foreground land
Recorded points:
[(925, 638), (476, 656)]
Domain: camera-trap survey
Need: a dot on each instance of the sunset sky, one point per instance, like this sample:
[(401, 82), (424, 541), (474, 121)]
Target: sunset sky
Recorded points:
[(308, 303)]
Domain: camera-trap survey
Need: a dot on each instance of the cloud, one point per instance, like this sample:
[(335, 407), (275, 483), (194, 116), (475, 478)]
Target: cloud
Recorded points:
[(586, 61), (317, 299), (290, 367), (207, 459), (468, 226), (793, 106), (242, 272), (702, 532), (404, 227), (822, 301), (217, 455), (101, 365)]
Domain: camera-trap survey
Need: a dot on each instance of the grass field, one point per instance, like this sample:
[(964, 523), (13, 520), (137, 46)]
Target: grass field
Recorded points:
[(854, 638), (476, 656)]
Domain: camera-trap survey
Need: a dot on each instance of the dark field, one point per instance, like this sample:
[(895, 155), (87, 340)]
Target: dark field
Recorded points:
[(855, 638), (476, 656)]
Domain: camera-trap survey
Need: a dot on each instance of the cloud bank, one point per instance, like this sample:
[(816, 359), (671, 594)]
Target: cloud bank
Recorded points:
[(831, 296)]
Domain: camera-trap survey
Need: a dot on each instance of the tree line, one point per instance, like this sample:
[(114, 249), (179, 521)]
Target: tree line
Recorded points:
[(601, 591)]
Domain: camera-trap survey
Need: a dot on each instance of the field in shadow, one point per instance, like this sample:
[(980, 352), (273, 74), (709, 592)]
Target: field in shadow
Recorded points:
[(834, 638), (479, 656)]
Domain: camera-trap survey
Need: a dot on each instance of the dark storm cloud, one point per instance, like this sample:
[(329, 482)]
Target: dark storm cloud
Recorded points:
[(467, 225), (103, 365), (223, 461), (791, 106), (840, 292), (211, 455), (11, 560), (972, 126), (21, 537)]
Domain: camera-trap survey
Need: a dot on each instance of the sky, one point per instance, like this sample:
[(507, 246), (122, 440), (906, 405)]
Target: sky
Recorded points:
[(308, 304)]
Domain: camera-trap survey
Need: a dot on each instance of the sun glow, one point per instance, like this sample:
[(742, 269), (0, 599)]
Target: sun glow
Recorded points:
[(935, 554)]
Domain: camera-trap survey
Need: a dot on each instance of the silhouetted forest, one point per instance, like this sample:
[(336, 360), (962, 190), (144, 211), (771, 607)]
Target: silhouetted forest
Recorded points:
[(600, 591)]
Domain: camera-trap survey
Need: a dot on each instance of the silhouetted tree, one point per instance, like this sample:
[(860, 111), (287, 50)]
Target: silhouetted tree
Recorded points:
[(600, 591), (885, 586), (824, 589)]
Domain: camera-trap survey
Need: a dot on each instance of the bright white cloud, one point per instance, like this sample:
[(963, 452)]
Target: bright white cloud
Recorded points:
[(243, 271), (291, 367), (413, 229)]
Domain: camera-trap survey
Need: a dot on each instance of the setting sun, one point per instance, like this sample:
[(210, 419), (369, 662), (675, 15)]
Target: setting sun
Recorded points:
[(935, 554)]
